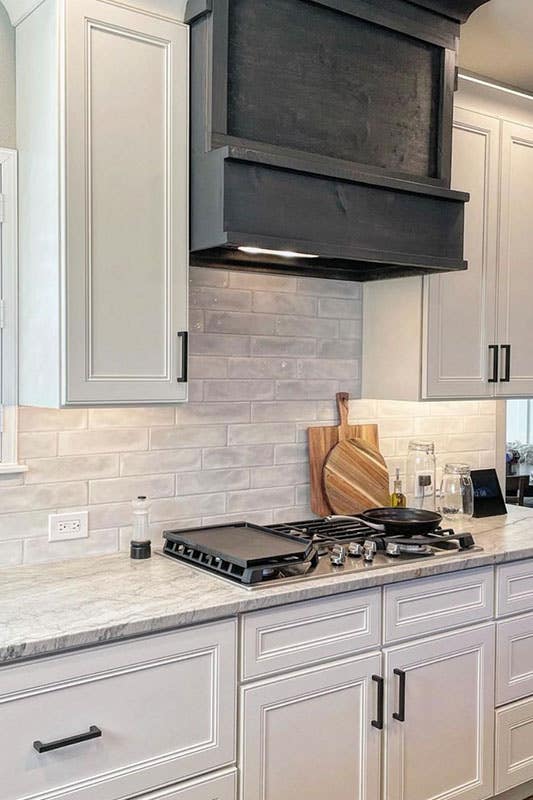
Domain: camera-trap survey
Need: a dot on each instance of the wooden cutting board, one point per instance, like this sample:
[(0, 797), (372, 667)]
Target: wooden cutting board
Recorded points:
[(356, 477), (322, 440)]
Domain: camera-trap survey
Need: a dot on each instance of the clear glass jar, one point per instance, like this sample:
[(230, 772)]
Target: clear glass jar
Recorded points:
[(421, 475), (457, 493)]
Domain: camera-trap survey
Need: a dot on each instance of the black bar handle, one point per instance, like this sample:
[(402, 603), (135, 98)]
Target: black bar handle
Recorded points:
[(400, 714), (378, 723), (506, 349), (495, 350), (45, 747), (183, 336)]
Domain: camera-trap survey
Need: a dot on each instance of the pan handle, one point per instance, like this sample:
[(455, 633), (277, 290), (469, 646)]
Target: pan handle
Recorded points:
[(341, 518)]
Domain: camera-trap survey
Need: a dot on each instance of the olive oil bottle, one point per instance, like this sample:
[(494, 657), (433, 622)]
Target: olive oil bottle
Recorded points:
[(397, 499)]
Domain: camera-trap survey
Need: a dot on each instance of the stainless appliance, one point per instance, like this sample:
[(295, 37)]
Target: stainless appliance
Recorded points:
[(256, 556)]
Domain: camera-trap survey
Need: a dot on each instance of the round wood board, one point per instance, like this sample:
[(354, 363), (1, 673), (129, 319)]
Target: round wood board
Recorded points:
[(355, 477)]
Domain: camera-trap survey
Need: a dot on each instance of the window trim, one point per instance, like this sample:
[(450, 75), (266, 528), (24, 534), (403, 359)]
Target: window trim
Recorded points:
[(9, 312)]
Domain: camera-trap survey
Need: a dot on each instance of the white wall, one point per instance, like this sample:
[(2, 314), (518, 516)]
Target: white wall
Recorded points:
[(7, 81)]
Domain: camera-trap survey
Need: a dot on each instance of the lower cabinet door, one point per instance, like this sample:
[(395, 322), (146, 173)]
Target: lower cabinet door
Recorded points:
[(222, 786), (310, 734), (514, 745), (440, 717)]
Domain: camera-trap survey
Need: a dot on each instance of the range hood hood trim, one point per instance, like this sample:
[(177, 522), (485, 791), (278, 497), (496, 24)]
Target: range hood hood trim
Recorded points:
[(232, 176)]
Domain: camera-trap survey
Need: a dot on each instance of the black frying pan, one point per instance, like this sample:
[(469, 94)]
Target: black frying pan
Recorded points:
[(403, 521)]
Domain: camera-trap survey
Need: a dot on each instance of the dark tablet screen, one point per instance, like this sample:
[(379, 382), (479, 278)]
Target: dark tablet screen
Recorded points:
[(488, 498)]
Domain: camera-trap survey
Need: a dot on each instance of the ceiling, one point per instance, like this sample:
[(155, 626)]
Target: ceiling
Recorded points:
[(497, 42)]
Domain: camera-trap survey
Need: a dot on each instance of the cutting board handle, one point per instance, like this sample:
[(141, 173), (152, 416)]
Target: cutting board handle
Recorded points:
[(343, 406)]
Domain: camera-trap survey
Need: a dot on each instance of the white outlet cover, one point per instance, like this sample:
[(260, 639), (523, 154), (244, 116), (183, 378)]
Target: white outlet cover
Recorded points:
[(70, 525)]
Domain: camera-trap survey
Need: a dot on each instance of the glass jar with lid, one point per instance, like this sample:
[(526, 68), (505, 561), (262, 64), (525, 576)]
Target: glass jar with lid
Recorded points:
[(421, 474), (457, 493)]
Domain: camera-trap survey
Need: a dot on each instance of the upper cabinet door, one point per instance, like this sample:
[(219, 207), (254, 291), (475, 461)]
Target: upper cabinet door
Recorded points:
[(126, 197), (460, 320), (515, 291)]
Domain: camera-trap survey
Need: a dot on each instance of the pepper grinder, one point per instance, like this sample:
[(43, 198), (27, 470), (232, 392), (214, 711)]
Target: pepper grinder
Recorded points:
[(141, 546)]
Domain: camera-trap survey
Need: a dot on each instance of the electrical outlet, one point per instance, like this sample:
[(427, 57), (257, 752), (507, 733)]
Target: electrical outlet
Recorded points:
[(423, 484), (71, 525)]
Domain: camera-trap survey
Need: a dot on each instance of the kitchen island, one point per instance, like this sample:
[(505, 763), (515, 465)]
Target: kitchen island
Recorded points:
[(123, 679)]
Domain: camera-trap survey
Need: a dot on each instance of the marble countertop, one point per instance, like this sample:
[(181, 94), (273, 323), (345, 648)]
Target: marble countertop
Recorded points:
[(53, 607)]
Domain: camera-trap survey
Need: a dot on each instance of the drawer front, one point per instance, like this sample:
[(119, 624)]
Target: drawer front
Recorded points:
[(514, 745), (304, 633), (514, 670), (216, 787), (165, 706), (514, 588), (430, 605)]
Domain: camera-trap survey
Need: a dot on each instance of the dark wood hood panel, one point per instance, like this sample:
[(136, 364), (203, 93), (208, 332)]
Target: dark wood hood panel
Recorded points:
[(459, 10), (324, 126)]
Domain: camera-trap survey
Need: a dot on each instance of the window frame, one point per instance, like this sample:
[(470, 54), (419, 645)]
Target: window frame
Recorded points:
[(9, 313)]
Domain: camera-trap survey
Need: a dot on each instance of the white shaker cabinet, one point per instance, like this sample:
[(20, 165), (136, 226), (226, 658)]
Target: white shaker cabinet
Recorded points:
[(466, 334), (429, 338), (515, 294), (310, 734), (440, 717), (102, 100)]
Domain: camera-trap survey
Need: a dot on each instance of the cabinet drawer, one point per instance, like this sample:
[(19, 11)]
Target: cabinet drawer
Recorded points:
[(514, 584), (165, 706), (304, 633), (514, 670), (514, 745), (434, 604), (215, 787)]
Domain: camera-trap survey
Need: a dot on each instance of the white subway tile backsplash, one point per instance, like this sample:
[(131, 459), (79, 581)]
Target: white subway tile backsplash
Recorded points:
[(10, 554), (261, 433), (282, 346), (268, 354), (226, 299), (99, 543), (272, 303), (213, 480), (24, 498), (103, 441), (256, 499), (160, 461), (138, 417), (235, 323), (187, 436), (255, 368), (69, 468), (37, 445), (241, 456), (50, 419), (114, 490)]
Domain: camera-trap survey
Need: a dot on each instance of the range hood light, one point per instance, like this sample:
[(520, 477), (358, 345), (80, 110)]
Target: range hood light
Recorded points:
[(255, 251)]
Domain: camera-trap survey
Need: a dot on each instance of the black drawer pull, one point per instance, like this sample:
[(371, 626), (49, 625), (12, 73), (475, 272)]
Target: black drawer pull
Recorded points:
[(378, 723), (495, 350), (183, 337), (45, 747), (506, 349), (400, 714)]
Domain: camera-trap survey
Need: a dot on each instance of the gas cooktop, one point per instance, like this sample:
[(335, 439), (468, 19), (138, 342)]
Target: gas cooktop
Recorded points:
[(256, 556)]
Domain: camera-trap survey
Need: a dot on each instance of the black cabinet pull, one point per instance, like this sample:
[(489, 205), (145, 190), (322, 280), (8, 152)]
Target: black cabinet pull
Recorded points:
[(506, 349), (45, 747), (378, 723), (495, 350), (400, 714), (183, 336)]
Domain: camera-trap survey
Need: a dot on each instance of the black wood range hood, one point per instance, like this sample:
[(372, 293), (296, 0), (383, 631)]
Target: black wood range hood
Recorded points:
[(323, 129)]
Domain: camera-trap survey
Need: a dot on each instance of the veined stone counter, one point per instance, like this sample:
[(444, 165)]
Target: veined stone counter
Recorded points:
[(71, 604)]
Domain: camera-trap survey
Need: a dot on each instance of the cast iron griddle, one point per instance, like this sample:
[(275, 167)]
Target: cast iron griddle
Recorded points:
[(242, 543)]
